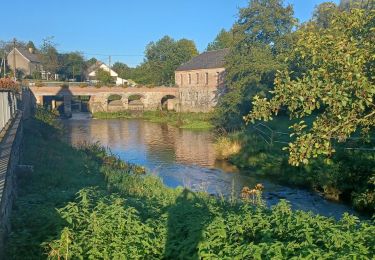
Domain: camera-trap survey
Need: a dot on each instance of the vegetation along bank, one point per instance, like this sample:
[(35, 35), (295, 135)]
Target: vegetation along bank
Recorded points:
[(180, 120), (84, 203)]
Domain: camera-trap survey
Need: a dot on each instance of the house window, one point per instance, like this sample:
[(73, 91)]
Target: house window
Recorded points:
[(206, 78), (181, 79), (197, 78), (189, 79)]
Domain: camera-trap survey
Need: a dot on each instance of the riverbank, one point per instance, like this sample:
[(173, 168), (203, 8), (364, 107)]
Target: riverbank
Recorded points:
[(348, 176), (109, 209), (181, 120)]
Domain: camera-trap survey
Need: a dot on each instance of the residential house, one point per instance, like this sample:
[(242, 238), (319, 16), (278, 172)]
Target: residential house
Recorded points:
[(91, 73), (26, 61)]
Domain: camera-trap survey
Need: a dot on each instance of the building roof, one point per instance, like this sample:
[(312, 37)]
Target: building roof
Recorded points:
[(206, 60), (94, 66), (32, 57)]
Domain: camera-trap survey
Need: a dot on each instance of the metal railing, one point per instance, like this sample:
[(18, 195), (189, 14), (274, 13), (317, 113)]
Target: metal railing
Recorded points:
[(8, 108)]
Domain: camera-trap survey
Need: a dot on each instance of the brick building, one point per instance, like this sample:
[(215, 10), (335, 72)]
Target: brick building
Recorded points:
[(201, 81)]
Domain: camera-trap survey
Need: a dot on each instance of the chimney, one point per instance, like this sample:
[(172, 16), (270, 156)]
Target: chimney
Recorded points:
[(31, 50)]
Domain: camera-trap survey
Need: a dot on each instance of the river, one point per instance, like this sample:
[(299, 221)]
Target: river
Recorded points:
[(186, 158)]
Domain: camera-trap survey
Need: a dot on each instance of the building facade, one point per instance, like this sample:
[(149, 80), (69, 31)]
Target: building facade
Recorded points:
[(201, 81), (91, 73), (26, 61)]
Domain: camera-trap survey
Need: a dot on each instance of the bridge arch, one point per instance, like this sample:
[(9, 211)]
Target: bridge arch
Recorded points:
[(136, 101), (114, 100), (168, 102)]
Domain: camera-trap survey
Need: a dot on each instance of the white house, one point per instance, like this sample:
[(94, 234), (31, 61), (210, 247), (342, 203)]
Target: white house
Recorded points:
[(91, 73)]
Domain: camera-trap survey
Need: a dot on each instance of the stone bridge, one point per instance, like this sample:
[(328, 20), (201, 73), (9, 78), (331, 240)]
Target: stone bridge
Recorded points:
[(99, 98)]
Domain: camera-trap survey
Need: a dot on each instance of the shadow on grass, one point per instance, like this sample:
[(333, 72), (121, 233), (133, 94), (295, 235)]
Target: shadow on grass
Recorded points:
[(60, 171), (187, 219)]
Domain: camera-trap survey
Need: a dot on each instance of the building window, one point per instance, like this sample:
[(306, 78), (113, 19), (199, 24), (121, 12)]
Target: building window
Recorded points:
[(181, 79), (197, 78), (206, 78), (189, 79)]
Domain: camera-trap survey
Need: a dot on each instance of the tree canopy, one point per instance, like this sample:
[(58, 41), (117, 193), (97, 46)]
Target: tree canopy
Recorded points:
[(223, 40), (261, 36), (339, 86)]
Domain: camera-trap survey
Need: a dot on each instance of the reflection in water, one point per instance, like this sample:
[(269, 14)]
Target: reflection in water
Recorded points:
[(186, 158)]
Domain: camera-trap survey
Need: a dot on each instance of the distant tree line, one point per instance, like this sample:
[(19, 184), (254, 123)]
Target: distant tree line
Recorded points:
[(161, 60)]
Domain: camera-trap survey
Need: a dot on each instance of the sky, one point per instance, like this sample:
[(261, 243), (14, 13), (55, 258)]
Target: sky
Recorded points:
[(122, 28)]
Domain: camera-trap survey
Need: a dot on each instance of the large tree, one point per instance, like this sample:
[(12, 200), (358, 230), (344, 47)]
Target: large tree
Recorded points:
[(324, 13), (261, 36), (223, 40), (351, 4), (72, 65), (49, 55), (337, 90), (164, 56)]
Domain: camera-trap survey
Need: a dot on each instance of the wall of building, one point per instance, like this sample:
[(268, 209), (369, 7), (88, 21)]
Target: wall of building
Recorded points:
[(21, 63), (211, 78), (199, 90)]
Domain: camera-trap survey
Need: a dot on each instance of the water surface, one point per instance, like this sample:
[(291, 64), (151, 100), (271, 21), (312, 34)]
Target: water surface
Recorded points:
[(186, 158)]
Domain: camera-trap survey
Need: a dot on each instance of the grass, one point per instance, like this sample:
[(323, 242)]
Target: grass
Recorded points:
[(87, 204), (184, 120)]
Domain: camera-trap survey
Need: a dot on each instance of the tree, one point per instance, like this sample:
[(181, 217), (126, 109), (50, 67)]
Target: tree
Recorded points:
[(72, 65), (362, 4), (104, 76), (262, 34), (123, 70), (164, 56), (90, 62), (31, 45), (337, 91), (324, 14), (223, 40), (49, 55)]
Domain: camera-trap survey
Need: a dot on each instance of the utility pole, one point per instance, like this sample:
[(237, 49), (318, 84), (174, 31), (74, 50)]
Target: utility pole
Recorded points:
[(14, 60), (109, 58), (5, 67)]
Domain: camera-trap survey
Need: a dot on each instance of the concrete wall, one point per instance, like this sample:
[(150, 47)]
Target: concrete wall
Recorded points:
[(10, 151)]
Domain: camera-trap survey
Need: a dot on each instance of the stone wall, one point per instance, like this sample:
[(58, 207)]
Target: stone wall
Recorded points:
[(10, 152), (199, 90)]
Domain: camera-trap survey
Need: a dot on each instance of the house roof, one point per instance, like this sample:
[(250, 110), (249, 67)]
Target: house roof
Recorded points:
[(32, 57), (206, 60), (93, 67)]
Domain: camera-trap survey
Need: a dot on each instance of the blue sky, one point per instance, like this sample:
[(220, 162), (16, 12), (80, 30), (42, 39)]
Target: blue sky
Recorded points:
[(124, 27)]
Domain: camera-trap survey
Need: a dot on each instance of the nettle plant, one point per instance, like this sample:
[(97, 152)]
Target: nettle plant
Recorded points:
[(337, 89)]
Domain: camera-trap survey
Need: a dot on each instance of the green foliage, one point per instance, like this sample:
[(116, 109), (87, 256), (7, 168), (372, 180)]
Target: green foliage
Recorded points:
[(223, 40), (181, 120), (324, 14), (165, 55), (72, 65), (262, 35), (340, 89), (162, 59), (132, 215), (104, 76), (348, 176), (49, 55)]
